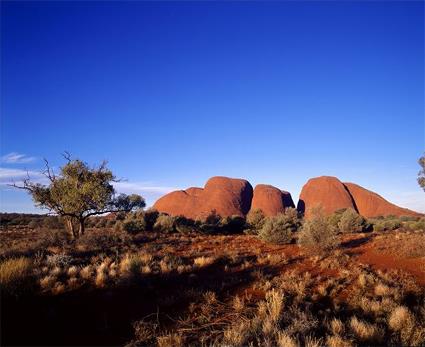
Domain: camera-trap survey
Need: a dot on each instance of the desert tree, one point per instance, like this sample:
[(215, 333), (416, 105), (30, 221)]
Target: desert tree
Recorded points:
[(421, 174), (78, 192)]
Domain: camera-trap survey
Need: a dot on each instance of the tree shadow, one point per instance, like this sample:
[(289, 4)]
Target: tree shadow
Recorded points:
[(90, 316)]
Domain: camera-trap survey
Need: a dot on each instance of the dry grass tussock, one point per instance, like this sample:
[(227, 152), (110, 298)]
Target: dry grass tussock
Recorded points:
[(237, 291)]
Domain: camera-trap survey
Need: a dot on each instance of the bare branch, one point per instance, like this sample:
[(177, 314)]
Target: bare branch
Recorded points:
[(67, 156)]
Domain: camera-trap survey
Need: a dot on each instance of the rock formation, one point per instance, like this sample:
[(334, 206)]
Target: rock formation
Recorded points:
[(370, 204), (226, 196), (327, 192), (271, 200), (231, 196), (331, 194)]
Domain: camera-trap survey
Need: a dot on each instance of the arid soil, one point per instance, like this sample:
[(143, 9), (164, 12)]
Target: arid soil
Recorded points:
[(195, 289)]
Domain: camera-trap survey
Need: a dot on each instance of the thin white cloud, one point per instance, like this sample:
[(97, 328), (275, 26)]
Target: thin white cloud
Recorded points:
[(17, 158), (11, 175), (141, 187), (148, 190), (412, 200)]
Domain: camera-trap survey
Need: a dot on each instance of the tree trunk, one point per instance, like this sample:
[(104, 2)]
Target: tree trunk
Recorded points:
[(81, 230), (70, 227)]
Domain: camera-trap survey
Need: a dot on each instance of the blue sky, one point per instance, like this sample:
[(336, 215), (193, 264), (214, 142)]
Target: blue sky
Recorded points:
[(171, 93)]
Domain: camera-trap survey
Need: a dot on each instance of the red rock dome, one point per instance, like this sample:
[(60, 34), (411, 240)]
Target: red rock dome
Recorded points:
[(271, 200), (227, 196), (370, 204), (327, 192)]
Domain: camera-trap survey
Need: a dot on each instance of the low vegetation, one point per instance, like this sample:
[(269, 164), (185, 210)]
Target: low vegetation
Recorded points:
[(146, 278)]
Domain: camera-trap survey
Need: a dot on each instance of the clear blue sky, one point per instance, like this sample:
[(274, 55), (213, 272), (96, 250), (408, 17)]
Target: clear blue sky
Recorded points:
[(171, 93)]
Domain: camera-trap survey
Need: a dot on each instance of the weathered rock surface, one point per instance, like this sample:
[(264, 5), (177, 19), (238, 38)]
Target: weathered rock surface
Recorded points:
[(226, 196), (327, 192), (370, 204), (271, 200)]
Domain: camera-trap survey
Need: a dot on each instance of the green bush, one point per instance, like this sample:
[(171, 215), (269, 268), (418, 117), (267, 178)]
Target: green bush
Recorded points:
[(386, 224), (335, 217), (184, 225), (318, 234), (255, 220), (164, 223), (279, 229), (211, 224), (134, 226), (233, 224), (150, 216), (351, 222)]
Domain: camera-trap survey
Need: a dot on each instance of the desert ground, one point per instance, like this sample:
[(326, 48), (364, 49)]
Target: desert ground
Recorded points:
[(212, 286)]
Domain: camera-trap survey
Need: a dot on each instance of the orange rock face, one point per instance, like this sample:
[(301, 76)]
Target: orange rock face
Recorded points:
[(370, 204), (271, 200), (227, 196), (327, 192)]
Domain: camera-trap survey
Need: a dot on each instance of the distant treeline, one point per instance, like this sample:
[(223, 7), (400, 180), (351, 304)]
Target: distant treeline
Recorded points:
[(30, 220), (35, 221)]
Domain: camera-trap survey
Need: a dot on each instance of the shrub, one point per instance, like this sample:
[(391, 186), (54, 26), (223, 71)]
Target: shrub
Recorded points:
[(211, 224), (386, 224), (133, 226), (53, 238), (150, 218), (35, 224), (351, 222), (59, 260), (101, 222), (164, 223), (101, 239), (233, 224), (110, 223), (255, 220), (279, 229), (184, 225), (418, 225), (15, 275), (318, 234), (335, 217), (53, 222)]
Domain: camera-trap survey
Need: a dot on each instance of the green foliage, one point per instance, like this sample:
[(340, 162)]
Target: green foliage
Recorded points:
[(150, 216), (232, 224), (80, 191), (335, 217), (185, 225), (418, 225), (351, 222), (211, 224), (255, 220), (318, 234), (421, 174), (279, 229), (164, 223), (388, 223)]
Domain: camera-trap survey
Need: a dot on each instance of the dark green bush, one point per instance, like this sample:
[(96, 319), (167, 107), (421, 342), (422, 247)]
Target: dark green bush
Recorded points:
[(254, 221), (164, 223), (318, 234), (233, 224), (351, 222), (280, 229), (185, 225), (150, 216), (335, 217)]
